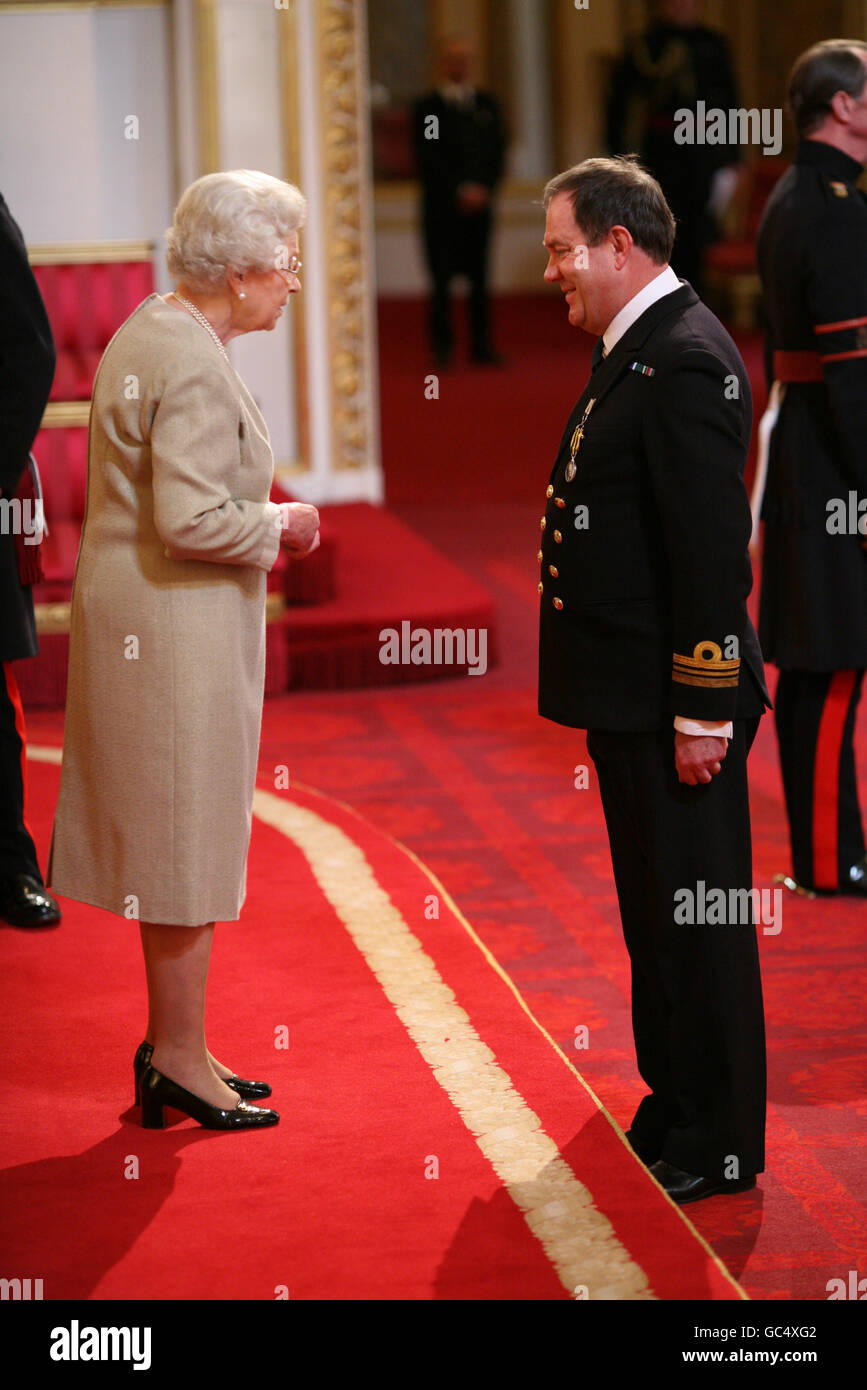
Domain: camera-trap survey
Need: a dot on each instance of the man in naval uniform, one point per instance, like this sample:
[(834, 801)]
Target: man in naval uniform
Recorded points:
[(645, 642), (812, 255), (26, 373)]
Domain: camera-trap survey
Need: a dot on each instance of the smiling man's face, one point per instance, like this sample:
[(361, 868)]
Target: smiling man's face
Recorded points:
[(584, 278)]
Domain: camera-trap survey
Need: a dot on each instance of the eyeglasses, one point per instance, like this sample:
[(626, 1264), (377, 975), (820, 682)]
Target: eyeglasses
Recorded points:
[(293, 268)]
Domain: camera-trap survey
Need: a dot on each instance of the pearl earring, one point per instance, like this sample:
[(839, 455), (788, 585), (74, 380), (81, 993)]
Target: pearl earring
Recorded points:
[(241, 294)]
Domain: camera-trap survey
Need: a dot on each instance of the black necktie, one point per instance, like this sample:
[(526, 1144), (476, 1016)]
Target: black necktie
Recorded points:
[(598, 354)]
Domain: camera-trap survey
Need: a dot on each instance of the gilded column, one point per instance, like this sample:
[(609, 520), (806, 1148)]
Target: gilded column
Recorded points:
[(345, 229)]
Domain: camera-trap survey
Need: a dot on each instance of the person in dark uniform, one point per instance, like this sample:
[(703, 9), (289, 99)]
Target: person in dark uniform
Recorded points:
[(645, 642), (459, 150), (812, 256), (26, 373), (674, 64)]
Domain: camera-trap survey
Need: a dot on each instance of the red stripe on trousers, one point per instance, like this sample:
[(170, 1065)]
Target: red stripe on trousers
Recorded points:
[(826, 779), (15, 697)]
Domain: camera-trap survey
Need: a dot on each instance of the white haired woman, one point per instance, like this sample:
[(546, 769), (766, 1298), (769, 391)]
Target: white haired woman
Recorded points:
[(167, 634)]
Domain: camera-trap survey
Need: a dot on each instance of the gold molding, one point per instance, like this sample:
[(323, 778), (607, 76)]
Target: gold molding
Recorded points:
[(59, 415), (275, 607), (406, 220), (289, 57), (28, 6), (53, 618), (88, 252), (387, 190), (343, 124), (206, 86)]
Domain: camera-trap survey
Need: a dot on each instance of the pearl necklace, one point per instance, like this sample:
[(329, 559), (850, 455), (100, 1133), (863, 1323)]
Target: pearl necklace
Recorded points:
[(197, 314)]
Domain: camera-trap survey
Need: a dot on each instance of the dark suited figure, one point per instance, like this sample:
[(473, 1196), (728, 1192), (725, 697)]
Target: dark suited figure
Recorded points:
[(26, 373), (674, 64), (459, 150), (645, 642), (812, 255)]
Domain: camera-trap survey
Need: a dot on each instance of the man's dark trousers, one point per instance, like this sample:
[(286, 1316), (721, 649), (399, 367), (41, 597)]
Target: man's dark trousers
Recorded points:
[(696, 990), (17, 850), (459, 245)]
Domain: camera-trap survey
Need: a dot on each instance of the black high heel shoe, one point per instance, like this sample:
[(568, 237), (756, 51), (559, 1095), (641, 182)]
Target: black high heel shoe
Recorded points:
[(158, 1091), (257, 1090)]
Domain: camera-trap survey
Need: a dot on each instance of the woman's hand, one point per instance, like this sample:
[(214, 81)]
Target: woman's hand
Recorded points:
[(300, 531)]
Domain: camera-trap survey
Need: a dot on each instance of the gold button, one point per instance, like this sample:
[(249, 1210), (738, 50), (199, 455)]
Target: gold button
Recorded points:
[(541, 588), (543, 523), (550, 490), (553, 571), (558, 537), (559, 501), (539, 557), (558, 603)]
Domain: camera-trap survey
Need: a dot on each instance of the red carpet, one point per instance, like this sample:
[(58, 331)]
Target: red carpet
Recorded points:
[(482, 790), (386, 575), (434, 1143), (493, 433)]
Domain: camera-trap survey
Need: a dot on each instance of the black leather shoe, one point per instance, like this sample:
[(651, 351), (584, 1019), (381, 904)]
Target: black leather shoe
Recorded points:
[(256, 1090), (855, 880), (687, 1187), (646, 1152), (157, 1091), (25, 902)]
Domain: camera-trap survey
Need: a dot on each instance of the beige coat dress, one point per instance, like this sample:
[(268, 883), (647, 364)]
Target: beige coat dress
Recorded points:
[(167, 631)]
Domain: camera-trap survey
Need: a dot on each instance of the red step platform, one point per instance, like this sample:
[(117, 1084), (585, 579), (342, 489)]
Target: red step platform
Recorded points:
[(371, 573)]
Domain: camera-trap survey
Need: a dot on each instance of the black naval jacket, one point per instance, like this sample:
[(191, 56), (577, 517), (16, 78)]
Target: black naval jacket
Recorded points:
[(643, 597), (26, 372), (812, 255)]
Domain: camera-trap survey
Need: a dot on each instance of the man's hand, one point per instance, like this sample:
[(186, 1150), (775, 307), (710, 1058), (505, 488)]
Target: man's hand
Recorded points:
[(300, 531), (697, 758)]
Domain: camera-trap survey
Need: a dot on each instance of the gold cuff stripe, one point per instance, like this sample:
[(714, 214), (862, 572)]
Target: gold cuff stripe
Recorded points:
[(709, 670), (717, 682), (706, 668)]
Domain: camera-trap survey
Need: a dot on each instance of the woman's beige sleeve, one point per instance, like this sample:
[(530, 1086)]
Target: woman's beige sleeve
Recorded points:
[(196, 459)]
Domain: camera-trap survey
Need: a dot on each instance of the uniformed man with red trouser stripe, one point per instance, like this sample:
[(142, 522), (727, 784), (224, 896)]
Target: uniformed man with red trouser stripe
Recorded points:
[(812, 256)]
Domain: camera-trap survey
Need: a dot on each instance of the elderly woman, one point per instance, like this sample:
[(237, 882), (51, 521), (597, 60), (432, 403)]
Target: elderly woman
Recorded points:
[(167, 636)]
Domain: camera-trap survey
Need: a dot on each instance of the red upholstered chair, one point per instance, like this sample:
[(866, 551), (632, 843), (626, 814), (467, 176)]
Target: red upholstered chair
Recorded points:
[(87, 301), (730, 264), (61, 454)]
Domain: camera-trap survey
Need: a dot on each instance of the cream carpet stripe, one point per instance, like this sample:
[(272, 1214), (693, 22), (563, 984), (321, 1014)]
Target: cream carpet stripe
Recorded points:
[(577, 1238)]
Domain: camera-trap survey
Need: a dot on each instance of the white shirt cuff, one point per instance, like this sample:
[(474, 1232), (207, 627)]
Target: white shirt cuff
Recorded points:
[(701, 728)]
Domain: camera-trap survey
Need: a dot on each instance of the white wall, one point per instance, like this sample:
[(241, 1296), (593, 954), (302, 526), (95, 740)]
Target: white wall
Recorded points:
[(68, 81), (250, 130)]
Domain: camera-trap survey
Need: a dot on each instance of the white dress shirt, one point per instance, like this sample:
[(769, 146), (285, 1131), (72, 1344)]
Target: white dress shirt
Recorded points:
[(666, 282)]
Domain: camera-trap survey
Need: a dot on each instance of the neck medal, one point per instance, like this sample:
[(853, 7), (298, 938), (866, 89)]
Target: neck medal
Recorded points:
[(575, 443)]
